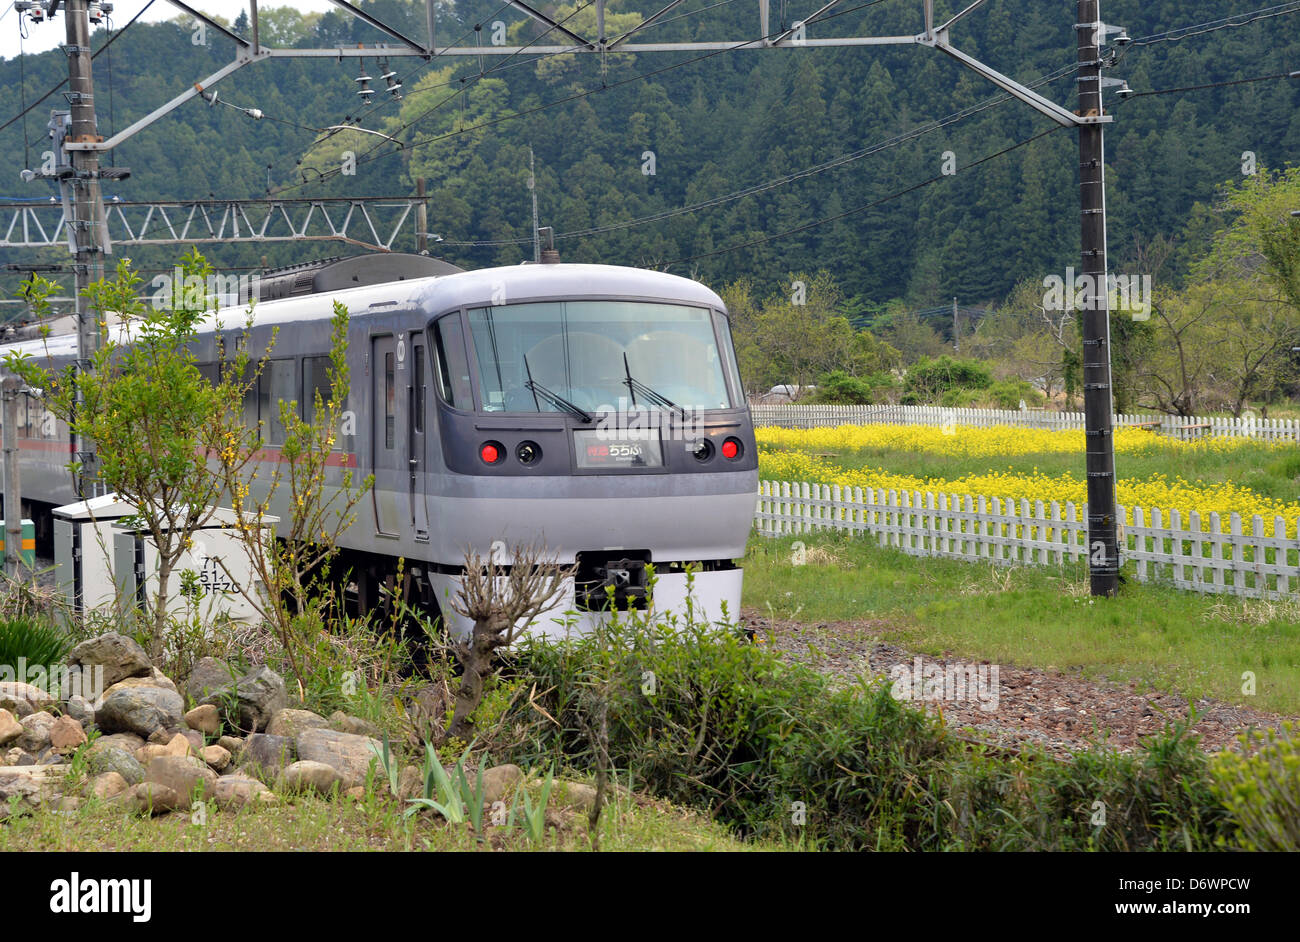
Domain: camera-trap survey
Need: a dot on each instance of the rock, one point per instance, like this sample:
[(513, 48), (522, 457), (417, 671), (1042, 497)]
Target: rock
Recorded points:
[(147, 753), (253, 699), (187, 776), (233, 792), (69, 803), (119, 656), (161, 736), (266, 756), (204, 718), (160, 681), (12, 756), (309, 776), (216, 757), (209, 674), (410, 783), (231, 744), (292, 722), (351, 755), (10, 728), (66, 735), (108, 785), (499, 782), (139, 710), (79, 709), (352, 724), (127, 742), (152, 798), (36, 732), (573, 795), (20, 757), (356, 793), (101, 758), (30, 784), (179, 746), (23, 699)]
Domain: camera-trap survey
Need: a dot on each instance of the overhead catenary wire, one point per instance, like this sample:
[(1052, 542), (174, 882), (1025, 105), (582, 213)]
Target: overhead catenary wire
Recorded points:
[(111, 39), (370, 156)]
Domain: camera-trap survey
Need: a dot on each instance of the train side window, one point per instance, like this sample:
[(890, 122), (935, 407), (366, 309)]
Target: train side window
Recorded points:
[(315, 379), (210, 372), (451, 368), (390, 402), (277, 384), (419, 387)]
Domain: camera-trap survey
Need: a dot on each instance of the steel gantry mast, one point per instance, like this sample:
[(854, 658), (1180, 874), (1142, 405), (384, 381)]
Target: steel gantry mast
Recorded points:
[(85, 217)]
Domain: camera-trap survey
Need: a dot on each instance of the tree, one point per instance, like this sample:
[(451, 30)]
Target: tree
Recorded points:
[(153, 416), (502, 604), (293, 564)]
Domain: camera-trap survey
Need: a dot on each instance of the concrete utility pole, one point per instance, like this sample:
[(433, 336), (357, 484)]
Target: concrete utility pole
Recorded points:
[(956, 328), (10, 390), (1098, 403), (86, 229)]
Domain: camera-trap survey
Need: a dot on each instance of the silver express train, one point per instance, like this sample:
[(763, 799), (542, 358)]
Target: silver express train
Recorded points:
[(593, 410)]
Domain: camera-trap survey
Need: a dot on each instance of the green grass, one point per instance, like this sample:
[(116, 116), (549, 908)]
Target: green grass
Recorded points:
[(1268, 471), (1165, 639), (376, 823)]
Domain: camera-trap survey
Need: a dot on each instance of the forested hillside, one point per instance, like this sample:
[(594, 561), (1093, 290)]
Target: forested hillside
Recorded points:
[(718, 125)]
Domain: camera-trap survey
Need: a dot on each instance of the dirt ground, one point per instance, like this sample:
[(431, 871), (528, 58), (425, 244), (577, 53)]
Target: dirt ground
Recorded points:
[(1062, 712)]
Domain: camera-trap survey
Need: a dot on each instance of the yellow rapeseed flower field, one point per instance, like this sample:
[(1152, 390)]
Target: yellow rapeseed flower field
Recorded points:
[(793, 455)]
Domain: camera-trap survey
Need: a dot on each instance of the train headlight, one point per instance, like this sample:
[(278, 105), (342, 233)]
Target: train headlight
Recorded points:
[(732, 449), (528, 452), (702, 449), (491, 452)]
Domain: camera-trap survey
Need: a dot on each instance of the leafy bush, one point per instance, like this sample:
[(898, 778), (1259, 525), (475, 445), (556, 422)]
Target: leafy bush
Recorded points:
[(838, 388), (1262, 790), (1008, 394), (38, 642), (927, 380), (705, 717)]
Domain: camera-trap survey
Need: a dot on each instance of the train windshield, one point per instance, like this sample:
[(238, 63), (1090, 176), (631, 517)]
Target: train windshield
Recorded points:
[(579, 355)]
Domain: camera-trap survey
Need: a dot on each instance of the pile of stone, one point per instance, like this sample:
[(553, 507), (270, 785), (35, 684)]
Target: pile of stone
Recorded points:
[(238, 743)]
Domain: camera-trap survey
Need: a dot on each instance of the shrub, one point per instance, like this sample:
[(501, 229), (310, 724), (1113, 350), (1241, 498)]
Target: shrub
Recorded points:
[(705, 717), (839, 388), (1008, 394), (1262, 790), (929, 379), (36, 641)]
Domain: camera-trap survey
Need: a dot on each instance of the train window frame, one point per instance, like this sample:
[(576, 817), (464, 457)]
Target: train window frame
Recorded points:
[(309, 389), (390, 400), (274, 432), (463, 396), (734, 394)]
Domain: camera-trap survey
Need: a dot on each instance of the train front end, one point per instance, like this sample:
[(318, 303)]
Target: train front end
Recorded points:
[(597, 413)]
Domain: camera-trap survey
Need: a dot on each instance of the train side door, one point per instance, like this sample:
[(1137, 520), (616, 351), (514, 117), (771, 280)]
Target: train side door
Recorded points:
[(388, 444), (417, 392)]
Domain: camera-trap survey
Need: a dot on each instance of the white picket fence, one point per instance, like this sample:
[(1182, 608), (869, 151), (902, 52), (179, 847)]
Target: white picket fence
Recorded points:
[(1154, 546), (797, 416)]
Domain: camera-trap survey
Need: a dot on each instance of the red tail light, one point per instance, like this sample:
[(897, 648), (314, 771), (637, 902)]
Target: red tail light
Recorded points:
[(731, 449), (490, 452)]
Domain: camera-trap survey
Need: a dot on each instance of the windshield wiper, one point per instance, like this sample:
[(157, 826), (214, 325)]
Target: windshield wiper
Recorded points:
[(554, 398), (636, 386)]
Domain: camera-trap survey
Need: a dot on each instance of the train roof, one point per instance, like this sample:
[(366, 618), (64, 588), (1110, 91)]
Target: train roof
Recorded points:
[(448, 292)]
